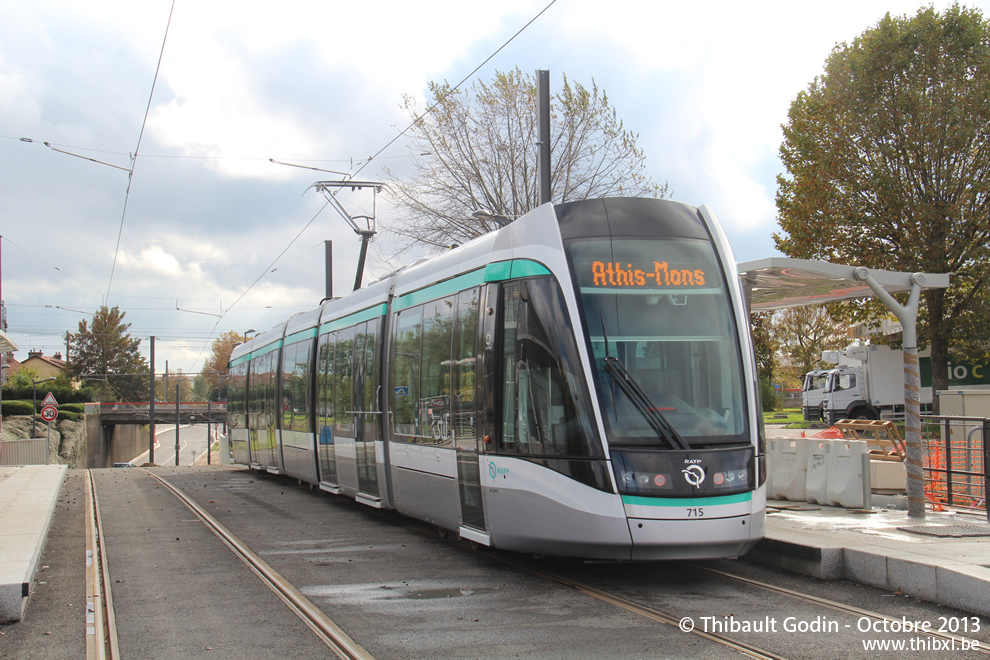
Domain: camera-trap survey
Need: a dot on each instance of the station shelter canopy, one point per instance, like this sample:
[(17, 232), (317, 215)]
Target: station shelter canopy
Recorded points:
[(6, 343), (778, 282)]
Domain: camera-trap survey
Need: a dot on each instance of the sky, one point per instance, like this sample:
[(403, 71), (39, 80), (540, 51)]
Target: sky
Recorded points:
[(207, 235)]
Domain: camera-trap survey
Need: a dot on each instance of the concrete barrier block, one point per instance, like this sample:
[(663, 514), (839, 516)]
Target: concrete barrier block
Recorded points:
[(845, 480), (888, 475), (818, 466), (791, 470)]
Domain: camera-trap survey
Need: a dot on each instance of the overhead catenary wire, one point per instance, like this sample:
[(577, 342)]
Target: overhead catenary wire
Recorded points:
[(130, 174), (454, 88), (378, 155), (396, 138)]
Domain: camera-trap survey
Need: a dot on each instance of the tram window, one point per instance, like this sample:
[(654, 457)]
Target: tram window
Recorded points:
[(324, 382), (295, 390), (261, 399), (343, 382), (464, 365), (664, 306), (405, 372), (434, 401), (545, 403), (236, 391), (370, 366)]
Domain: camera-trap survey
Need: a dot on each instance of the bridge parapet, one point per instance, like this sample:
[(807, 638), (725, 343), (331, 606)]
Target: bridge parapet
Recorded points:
[(165, 413)]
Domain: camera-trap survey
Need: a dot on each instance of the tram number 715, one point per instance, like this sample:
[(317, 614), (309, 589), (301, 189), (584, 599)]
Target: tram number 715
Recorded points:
[(695, 512)]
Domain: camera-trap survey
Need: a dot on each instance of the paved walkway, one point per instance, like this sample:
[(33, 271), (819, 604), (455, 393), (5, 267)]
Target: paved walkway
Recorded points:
[(27, 501), (943, 558)]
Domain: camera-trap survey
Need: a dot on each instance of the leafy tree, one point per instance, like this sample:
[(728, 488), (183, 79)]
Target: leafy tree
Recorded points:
[(764, 344), (478, 150), (765, 349), (215, 367), (165, 387), (107, 358), (803, 333), (22, 378), (887, 156)]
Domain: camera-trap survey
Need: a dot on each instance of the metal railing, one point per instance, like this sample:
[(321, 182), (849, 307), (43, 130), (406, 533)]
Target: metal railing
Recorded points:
[(955, 461)]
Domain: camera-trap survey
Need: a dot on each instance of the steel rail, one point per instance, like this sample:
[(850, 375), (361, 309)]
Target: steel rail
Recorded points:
[(101, 624), (642, 610), (324, 628), (835, 605)]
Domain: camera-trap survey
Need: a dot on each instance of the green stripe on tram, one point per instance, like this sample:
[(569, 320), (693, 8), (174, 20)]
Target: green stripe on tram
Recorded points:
[(494, 272), (715, 500), (352, 319), (265, 350), (302, 335)]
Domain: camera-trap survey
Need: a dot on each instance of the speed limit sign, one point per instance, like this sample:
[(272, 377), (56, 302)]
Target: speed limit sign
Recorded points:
[(49, 413)]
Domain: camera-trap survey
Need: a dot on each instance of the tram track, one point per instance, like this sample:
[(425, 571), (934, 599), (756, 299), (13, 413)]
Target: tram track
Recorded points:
[(630, 596), (322, 626), (747, 649), (101, 627), (643, 610)]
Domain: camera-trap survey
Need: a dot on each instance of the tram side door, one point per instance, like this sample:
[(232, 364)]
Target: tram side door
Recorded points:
[(366, 419), (475, 338)]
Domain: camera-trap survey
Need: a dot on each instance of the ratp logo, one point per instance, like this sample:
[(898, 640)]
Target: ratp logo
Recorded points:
[(494, 470), (694, 475)]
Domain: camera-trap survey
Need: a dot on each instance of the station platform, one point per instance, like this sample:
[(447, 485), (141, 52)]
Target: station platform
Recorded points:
[(944, 558), (28, 495)]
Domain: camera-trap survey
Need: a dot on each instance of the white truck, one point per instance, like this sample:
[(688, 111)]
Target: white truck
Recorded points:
[(868, 383)]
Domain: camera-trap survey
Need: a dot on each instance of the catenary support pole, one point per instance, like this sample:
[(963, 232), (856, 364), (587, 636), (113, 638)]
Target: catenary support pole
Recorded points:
[(543, 132), (177, 425), (151, 407), (328, 262)]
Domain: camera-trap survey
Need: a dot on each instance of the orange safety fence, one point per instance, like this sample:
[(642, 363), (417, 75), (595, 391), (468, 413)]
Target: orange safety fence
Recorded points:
[(966, 470)]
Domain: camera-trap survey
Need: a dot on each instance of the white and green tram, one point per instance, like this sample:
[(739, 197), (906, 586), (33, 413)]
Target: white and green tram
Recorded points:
[(580, 383)]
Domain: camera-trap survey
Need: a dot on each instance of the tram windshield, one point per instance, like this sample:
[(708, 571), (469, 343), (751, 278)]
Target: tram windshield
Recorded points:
[(659, 308)]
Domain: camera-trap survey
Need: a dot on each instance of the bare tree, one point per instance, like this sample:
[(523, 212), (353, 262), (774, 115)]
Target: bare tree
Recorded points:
[(478, 150), (802, 333)]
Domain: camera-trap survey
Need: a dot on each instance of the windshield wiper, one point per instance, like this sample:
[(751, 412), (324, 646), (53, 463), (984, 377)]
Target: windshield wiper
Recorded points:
[(640, 399)]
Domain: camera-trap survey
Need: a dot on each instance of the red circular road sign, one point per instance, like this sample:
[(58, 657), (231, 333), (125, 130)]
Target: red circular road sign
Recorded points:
[(49, 413)]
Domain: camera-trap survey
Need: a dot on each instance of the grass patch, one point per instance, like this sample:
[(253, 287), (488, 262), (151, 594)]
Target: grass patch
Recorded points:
[(786, 416)]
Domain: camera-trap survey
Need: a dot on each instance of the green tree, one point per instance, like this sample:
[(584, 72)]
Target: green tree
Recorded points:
[(765, 349), (215, 368), (477, 150), (887, 156), (165, 387), (22, 378), (107, 359), (764, 344)]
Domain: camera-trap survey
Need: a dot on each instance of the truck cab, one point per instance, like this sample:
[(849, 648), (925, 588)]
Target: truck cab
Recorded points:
[(813, 394), (846, 395)]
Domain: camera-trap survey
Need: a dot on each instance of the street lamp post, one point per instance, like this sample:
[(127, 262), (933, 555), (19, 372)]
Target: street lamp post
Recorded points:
[(34, 404), (252, 331)]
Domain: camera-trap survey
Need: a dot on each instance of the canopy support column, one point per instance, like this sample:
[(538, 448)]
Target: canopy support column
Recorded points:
[(908, 316)]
